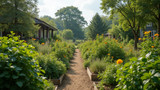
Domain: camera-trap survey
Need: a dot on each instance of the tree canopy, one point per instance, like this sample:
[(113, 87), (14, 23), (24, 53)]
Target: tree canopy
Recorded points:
[(72, 19), (17, 15), (97, 26), (130, 14), (151, 8), (49, 20)]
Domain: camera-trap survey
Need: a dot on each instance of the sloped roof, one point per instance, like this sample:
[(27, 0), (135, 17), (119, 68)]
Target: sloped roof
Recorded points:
[(40, 22)]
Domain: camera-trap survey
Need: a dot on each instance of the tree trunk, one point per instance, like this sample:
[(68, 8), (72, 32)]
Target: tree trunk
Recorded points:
[(135, 41), (159, 25)]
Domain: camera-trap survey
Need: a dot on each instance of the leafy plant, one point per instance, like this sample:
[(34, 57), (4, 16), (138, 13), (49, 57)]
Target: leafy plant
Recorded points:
[(53, 68), (97, 66), (18, 66), (140, 74), (108, 77)]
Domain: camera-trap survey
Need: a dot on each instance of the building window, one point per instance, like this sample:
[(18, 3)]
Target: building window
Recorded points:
[(149, 25)]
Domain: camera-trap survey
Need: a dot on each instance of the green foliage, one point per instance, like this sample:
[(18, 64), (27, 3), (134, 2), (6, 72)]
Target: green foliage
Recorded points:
[(108, 77), (63, 51), (152, 11), (102, 47), (44, 49), (48, 20), (128, 11), (150, 44), (67, 34), (140, 74), (97, 66), (72, 20), (18, 66), (97, 26), (17, 15), (86, 63), (53, 68)]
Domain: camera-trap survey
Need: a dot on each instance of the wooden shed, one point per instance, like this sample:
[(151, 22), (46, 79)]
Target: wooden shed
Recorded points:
[(45, 30)]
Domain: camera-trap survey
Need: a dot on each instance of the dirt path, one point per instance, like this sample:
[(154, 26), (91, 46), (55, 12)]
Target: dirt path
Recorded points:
[(76, 77)]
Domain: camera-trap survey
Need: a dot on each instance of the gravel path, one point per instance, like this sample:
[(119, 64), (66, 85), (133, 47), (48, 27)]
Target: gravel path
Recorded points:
[(76, 77)]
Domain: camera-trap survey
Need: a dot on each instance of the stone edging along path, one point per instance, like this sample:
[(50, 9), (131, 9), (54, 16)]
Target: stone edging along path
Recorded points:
[(76, 77)]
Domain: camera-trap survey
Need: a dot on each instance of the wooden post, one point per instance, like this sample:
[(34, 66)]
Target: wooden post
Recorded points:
[(52, 34), (47, 33), (43, 33), (39, 36)]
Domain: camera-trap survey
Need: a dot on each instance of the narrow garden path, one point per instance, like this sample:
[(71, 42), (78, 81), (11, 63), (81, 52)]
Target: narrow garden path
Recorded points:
[(76, 77)]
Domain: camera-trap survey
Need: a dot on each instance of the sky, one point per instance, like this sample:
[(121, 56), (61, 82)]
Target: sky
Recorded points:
[(88, 7)]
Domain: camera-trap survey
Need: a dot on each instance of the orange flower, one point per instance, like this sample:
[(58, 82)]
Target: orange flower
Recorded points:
[(105, 42), (147, 32), (139, 39), (152, 46), (156, 34), (109, 54), (119, 61), (42, 43), (121, 47), (153, 38), (112, 57), (33, 39), (24, 41), (64, 56)]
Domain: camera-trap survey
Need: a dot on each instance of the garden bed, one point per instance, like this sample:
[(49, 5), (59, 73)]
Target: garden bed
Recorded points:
[(58, 81), (105, 87), (92, 76), (56, 87)]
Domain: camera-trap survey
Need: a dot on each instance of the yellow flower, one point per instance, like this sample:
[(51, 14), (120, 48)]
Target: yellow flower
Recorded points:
[(156, 34), (56, 40), (97, 34), (147, 32), (130, 50), (116, 40), (152, 46), (109, 54), (139, 38), (42, 43), (119, 61), (105, 42), (102, 34)]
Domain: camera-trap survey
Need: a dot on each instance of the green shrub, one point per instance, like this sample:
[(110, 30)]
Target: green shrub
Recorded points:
[(18, 69), (108, 77), (100, 48), (140, 74), (53, 68), (45, 49), (86, 63), (97, 66)]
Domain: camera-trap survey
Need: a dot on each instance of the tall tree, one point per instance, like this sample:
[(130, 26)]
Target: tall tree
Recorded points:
[(72, 19), (152, 9), (130, 15), (97, 26), (49, 20), (67, 34), (17, 15)]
